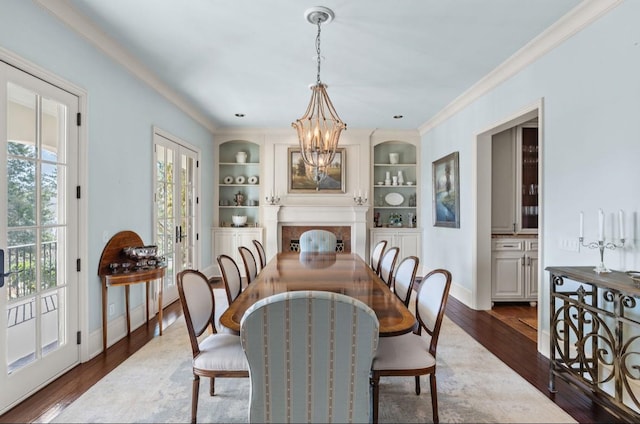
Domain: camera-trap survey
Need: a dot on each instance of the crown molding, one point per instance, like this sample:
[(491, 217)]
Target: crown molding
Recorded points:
[(573, 22), (64, 11)]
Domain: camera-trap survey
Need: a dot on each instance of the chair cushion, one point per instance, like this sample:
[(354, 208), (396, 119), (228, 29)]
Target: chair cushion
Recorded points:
[(221, 352), (408, 351)]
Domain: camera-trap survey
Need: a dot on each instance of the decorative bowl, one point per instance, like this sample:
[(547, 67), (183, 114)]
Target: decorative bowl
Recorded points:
[(239, 220), (141, 251)]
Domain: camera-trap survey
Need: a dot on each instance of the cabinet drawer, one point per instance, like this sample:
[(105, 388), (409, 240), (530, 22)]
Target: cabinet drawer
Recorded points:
[(532, 245), (507, 245)]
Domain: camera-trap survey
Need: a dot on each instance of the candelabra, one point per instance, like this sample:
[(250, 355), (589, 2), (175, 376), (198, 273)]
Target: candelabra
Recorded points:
[(360, 199), (272, 199), (600, 244)]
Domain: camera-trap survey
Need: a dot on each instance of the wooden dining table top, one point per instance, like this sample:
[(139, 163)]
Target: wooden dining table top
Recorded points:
[(344, 273)]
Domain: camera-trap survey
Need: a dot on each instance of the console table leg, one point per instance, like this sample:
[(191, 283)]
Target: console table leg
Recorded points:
[(126, 296), (160, 305), (104, 317)]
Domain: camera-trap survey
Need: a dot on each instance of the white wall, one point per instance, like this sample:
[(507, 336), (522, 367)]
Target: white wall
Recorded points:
[(590, 88), (122, 111)]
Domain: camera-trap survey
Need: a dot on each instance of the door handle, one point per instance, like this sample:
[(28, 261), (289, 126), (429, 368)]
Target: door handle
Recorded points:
[(2, 273)]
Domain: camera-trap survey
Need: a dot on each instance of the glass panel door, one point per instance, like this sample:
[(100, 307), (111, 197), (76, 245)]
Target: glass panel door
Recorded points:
[(38, 233), (175, 209)]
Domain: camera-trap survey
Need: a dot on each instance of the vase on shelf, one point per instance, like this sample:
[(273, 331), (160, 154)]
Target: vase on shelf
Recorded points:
[(400, 178), (394, 158), (241, 157)]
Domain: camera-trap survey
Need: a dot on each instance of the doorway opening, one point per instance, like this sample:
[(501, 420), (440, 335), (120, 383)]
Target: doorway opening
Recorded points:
[(484, 292)]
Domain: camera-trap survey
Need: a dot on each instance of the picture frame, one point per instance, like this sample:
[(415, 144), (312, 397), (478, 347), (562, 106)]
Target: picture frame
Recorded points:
[(446, 191), (302, 179)]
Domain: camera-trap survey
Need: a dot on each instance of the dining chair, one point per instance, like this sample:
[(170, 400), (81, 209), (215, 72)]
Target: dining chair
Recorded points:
[(262, 255), (216, 355), (412, 354), (249, 261), (309, 355), (376, 254), (404, 276), (230, 277), (387, 264), (318, 241)]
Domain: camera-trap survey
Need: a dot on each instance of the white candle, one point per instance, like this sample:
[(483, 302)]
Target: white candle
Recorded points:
[(600, 225), (365, 194), (581, 224), (621, 217)]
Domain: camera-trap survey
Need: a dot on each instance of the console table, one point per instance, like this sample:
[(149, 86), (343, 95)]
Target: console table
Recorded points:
[(595, 337), (113, 253)]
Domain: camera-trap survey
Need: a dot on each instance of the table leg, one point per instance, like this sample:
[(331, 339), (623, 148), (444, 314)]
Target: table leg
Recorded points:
[(126, 297), (147, 302), (160, 306), (104, 317)]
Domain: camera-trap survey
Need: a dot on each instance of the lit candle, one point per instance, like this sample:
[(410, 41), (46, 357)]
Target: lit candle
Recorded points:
[(621, 217), (581, 224), (600, 225), (365, 194)]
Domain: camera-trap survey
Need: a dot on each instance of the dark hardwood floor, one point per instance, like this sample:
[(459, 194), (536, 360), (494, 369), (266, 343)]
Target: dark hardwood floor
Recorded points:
[(515, 349)]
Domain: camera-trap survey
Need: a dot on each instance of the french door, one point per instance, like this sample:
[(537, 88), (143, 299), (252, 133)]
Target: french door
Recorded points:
[(176, 208), (38, 233)]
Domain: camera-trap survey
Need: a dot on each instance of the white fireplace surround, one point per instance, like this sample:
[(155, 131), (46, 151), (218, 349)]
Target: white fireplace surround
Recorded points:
[(278, 215)]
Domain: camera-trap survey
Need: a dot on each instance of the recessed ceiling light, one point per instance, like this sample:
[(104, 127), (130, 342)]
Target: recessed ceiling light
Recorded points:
[(397, 116), (240, 115)]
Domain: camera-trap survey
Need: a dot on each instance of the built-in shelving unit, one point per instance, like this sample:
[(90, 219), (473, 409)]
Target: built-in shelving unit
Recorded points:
[(238, 178)]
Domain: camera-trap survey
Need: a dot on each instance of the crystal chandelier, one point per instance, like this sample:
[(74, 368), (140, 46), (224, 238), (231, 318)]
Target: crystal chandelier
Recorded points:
[(320, 127)]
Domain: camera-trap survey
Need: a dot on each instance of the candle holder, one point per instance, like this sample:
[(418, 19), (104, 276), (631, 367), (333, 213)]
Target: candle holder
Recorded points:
[(601, 245), (360, 200), (272, 199)]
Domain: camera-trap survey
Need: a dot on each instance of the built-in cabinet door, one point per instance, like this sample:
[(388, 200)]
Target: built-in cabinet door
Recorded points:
[(503, 188), (227, 240), (532, 275), (507, 280)]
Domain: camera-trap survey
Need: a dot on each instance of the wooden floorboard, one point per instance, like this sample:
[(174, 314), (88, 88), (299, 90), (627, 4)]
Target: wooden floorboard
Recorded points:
[(512, 347)]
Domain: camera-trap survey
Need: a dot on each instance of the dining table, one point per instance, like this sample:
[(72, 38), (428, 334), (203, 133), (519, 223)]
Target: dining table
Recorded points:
[(344, 273)]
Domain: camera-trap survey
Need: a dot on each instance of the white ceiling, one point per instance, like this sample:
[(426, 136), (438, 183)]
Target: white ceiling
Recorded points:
[(381, 57)]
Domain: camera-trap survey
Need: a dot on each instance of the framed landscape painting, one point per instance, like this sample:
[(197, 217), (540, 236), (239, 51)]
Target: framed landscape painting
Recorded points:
[(446, 192), (305, 179)]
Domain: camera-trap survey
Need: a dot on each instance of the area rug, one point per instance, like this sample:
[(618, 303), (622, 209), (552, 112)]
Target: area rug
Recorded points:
[(154, 386)]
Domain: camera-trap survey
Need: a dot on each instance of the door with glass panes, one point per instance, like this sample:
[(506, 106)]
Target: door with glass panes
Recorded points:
[(38, 233), (176, 207)]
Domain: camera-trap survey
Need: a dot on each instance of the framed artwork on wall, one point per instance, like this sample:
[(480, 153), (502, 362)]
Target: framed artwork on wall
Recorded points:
[(446, 191), (306, 179)]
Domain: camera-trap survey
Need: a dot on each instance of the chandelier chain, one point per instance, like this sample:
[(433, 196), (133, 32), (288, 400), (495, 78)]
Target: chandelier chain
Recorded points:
[(318, 52)]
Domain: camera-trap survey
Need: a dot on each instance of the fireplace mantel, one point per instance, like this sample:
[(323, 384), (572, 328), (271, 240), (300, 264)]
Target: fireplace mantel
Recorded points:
[(278, 215)]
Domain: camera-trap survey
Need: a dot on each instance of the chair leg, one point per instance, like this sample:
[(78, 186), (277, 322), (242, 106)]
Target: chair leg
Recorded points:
[(212, 386), (195, 388), (374, 381), (434, 398), (417, 384)]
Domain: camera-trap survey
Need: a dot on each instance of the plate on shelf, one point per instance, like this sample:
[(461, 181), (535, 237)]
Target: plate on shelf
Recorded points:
[(239, 179), (394, 199), (228, 180), (253, 180)]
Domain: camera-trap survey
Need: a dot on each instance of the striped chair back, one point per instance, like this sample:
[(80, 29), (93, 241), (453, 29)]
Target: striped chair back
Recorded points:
[(309, 355)]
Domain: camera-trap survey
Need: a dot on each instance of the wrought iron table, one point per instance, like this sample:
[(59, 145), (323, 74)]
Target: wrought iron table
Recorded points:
[(595, 336)]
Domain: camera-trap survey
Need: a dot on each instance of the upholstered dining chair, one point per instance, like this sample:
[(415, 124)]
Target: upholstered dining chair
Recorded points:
[(249, 261), (230, 277), (412, 354), (262, 255), (318, 241), (403, 278), (387, 264), (309, 355), (376, 255), (216, 355)]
